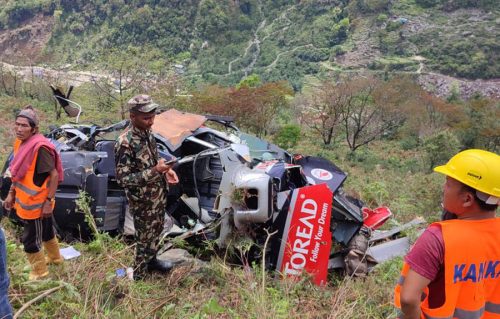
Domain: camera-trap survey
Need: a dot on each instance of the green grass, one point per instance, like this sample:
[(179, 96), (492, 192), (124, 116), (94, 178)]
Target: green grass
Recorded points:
[(407, 8), (88, 288), (394, 63)]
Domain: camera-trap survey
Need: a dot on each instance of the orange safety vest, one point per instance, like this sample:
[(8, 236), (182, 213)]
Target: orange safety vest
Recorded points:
[(471, 271), (29, 197)]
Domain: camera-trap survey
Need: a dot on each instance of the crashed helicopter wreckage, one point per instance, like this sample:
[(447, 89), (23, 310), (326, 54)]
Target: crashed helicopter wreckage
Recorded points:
[(232, 186)]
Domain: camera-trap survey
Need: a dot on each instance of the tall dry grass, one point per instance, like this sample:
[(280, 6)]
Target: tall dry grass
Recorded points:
[(91, 289)]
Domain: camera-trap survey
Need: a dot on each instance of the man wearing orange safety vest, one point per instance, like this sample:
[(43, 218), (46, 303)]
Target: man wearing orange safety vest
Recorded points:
[(453, 270), (35, 172)]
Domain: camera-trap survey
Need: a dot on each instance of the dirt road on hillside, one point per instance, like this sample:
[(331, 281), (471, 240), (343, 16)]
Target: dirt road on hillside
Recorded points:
[(54, 76), (438, 84)]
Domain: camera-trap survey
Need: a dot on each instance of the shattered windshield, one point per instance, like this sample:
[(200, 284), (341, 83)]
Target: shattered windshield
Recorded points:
[(260, 149)]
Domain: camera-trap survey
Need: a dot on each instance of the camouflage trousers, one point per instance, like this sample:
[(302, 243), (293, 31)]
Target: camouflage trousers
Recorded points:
[(148, 223)]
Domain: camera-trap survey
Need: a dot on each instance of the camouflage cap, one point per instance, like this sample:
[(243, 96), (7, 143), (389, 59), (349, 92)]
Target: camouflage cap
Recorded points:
[(142, 103)]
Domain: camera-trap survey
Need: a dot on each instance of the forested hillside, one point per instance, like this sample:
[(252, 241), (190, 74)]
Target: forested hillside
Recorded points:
[(223, 41)]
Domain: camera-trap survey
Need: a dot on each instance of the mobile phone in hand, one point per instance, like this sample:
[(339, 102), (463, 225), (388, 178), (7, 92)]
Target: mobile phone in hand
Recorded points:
[(171, 162)]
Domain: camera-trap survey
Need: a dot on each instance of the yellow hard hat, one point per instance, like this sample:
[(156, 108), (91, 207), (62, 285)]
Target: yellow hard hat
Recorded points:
[(478, 169)]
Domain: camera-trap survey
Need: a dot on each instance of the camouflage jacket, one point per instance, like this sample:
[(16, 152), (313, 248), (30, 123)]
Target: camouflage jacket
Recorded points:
[(135, 157)]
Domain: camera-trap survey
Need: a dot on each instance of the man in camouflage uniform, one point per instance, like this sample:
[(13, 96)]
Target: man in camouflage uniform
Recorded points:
[(142, 174)]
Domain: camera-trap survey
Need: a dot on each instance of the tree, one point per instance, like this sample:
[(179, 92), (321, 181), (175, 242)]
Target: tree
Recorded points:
[(253, 80), (253, 108), (212, 99), (440, 147), (481, 129), (366, 116), (10, 79), (437, 114), (324, 109), (362, 108), (127, 73), (168, 91), (257, 107), (398, 98), (359, 113), (213, 20)]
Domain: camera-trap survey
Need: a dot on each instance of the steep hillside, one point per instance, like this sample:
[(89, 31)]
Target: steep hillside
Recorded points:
[(223, 41)]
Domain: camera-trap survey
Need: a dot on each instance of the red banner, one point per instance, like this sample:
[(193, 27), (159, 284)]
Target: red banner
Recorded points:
[(307, 239)]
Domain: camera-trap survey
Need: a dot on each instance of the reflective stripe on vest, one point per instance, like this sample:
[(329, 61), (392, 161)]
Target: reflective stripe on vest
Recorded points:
[(471, 270), (27, 190), (493, 307), (29, 207), (464, 314), (461, 314)]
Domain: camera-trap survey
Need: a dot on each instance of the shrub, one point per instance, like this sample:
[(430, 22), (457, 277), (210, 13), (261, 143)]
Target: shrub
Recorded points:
[(409, 142), (375, 193), (313, 55), (427, 3), (372, 6), (393, 25), (364, 158), (288, 136), (382, 18), (439, 148)]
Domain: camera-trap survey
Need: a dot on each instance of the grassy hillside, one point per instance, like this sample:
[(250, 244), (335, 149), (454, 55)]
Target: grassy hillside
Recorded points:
[(387, 172), (87, 287)]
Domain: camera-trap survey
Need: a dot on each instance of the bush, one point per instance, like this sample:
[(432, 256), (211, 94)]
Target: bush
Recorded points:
[(439, 148), (482, 128), (376, 193), (382, 18), (427, 3), (364, 158), (327, 33), (409, 142), (288, 136), (393, 25), (372, 6), (313, 55)]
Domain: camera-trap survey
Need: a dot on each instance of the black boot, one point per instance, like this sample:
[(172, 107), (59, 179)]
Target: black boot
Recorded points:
[(163, 266)]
